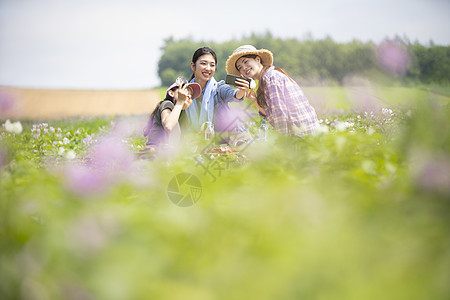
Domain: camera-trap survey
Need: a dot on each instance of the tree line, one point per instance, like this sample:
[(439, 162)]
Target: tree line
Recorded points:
[(324, 61)]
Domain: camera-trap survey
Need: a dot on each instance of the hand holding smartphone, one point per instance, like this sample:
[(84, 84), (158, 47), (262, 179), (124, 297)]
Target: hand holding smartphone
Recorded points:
[(231, 80)]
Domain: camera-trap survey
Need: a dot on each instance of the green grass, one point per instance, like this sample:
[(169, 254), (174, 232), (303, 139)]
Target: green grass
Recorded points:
[(338, 97), (358, 212)]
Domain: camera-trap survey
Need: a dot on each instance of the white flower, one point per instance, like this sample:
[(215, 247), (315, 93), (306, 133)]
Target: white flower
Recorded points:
[(15, 127), (321, 129), (71, 154), (8, 126), (61, 151), (387, 111), (66, 141), (341, 126)]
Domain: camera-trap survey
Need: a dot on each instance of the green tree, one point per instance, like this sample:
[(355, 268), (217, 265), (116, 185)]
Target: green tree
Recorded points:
[(312, 60)]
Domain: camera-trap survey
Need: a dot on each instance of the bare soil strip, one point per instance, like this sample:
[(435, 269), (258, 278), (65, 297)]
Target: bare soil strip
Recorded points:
[(19, 103)]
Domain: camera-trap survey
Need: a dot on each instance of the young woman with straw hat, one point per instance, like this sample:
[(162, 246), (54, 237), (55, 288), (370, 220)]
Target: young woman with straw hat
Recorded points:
[(279, 98)]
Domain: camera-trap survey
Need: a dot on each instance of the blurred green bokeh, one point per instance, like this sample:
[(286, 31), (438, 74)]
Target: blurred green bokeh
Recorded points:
[(350, 214)]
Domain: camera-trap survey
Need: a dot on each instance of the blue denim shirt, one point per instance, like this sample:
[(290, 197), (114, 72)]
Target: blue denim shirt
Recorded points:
[(224, 119)]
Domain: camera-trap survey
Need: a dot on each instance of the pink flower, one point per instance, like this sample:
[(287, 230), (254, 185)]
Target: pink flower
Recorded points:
[(228, 120), (111, 155), (431, 171), (82, 180), (393, 56), (109, 160), (6, 102)]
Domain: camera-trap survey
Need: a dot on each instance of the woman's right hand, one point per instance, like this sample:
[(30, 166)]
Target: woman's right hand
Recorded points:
[(242, 84), (184, 96)]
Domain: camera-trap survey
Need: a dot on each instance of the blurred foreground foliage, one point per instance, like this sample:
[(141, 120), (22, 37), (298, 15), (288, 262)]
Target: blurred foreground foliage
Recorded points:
[(359, 211)]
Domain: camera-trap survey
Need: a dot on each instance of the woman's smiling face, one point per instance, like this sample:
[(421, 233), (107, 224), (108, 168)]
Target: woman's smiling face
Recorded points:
[(204, 68), (249, 67)]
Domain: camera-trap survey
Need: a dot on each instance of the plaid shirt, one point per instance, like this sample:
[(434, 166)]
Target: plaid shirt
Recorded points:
[(288, 109)]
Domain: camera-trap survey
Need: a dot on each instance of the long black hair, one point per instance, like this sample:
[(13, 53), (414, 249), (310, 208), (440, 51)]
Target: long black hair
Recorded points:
[(152, 115), (202, 51)]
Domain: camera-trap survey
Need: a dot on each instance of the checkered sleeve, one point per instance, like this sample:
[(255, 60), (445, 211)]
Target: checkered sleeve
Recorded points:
[(288, 110), (276, 111)]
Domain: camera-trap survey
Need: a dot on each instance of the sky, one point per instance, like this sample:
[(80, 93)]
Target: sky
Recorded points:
[(116, 44)]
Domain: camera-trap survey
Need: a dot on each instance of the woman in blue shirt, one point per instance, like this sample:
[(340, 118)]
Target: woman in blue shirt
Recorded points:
[(212, 105)]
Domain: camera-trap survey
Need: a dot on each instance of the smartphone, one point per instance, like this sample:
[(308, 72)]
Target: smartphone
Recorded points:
[(231, 79)]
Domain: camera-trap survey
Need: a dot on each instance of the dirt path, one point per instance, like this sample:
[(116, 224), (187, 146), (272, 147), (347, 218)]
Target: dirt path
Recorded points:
[(57, 104)]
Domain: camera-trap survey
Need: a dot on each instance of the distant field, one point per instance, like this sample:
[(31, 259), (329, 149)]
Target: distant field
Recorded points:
[(332, 98), (57, 104)]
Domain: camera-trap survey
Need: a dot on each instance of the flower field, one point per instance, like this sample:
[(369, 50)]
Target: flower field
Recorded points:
[(360, 210)]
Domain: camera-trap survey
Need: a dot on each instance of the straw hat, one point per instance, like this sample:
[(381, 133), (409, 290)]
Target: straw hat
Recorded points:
[(266, 57)]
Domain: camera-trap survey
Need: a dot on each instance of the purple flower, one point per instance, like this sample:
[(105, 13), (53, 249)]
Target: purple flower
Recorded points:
[(6, 103), (82, 180), (432, 171), (112, 155), (87, 140), (393, 56), (228, 120), (128, 126), (108, 161)]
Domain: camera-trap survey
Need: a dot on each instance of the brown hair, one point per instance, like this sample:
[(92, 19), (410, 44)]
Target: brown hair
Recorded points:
[(260, 97)]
